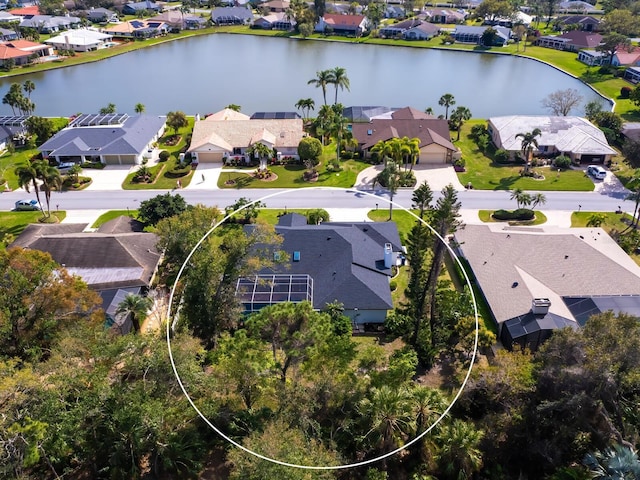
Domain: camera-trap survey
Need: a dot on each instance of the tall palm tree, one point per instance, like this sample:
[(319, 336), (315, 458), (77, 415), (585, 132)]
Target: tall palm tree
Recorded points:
[(385, 149), (305, 105), (460, 455), (51, 179), (634, 186), (529, 142), (340, 80), (447, 100), (28, 177), (412, 147), (28, 87), (139, 108), (458, 117), (135, 305), (323, 78)]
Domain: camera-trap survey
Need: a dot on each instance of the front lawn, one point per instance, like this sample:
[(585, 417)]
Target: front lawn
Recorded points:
[(13, 223), (111, 214), (404, 220), (9, 162), (484, 174), (290, 176), (161, 173), (612, 221)]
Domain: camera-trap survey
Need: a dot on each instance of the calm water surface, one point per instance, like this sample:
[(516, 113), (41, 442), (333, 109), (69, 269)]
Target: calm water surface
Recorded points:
[(204, 74)]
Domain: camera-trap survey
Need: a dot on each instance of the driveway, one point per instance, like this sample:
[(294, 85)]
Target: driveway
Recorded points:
[(205, 177), (437, 176), (610, 186), (110, 177)]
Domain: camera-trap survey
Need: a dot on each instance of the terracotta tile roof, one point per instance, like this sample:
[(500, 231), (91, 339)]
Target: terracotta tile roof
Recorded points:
[(343, 20), (24, 11)]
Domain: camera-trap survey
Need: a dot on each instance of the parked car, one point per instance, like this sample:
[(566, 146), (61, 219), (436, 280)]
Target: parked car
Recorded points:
[(597, 172), (65, 166), (28, 205)]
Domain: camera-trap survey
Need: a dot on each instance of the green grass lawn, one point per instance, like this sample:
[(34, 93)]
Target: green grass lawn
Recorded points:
[(484, 174), (271, 215), (111, 214), (163, 180), (9, 162), (13, 223), (290, 176), (403, 219), (540, 218)]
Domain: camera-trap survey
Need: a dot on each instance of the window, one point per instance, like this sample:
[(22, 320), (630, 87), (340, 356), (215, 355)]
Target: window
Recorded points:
[(296, 256)]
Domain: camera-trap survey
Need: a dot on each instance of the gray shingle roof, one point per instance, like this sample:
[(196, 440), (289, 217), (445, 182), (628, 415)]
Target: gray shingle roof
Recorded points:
[(129, 138), (514, 266), (346, 261)]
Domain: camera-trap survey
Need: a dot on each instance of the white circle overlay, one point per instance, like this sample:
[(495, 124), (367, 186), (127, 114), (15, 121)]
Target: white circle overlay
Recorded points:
[(171, 327)]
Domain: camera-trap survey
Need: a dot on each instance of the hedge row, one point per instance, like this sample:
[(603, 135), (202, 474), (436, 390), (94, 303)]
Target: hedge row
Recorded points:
[(519, 214)]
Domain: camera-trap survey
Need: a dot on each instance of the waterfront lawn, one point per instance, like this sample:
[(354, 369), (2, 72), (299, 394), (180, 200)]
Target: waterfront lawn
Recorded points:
[(484, 174), (111, 214), (290, 176)]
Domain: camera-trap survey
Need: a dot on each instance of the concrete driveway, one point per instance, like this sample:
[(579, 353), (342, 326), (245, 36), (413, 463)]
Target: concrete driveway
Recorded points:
[(110, 177), (437, 176)]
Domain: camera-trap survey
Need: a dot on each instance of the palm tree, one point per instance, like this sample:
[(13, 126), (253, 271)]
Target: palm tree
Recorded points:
[(538, 199), (390, 178), (412, 148), (385, 149), (323, 78), (615, 463), (28, 177), (522, 198), (596, 220), (305, 105), (51, 179), (139, 108), (447, 100), (110, 108), (340, 80), (527, 145), (428, 111), (388, 411), (634, 186), (135, 305), (459, 456), (458, 117), (28, 87), (234, 107), (262, 151)]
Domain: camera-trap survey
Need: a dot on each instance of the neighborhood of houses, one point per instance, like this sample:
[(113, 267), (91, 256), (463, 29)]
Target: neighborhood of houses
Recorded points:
[(534, 279), (579, 30)]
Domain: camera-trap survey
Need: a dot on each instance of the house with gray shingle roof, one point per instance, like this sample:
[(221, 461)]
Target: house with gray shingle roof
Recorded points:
[(117, 259), (231, 16), (473, 34), (412, 29), (124, 143), (536, 279), (49, 23), (348, 263), (575, 137)]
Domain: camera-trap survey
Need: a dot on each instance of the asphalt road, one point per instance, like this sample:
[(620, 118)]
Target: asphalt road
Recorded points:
[(317, 198)]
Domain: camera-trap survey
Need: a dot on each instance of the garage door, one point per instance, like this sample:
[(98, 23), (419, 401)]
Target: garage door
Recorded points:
[(112, 159), (432, 158), (210, 157), (592, 159)]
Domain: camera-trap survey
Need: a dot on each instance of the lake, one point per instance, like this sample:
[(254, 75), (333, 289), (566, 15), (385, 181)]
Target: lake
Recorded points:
[(204, 74)]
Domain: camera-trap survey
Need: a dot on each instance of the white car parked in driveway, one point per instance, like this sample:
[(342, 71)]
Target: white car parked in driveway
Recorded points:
[(597, 172)]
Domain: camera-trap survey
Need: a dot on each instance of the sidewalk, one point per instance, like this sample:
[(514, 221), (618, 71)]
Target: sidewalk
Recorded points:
[(205, 177)]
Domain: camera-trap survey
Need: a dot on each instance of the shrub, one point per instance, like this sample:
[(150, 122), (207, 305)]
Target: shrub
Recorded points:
[(375, 158), (314, 217), (94, 165), (407, 179), (562, 161), (518, 214), (625, 92), (334, 165), (346, 155), (164, 156), (393, 285), (478, 130), (460, 162), (179, 171), (501, 156)]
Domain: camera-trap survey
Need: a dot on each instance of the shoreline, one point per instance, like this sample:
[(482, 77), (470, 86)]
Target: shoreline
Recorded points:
[(139, 45)]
